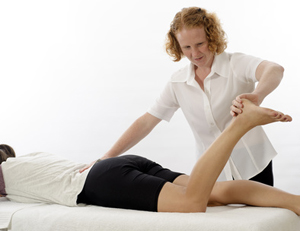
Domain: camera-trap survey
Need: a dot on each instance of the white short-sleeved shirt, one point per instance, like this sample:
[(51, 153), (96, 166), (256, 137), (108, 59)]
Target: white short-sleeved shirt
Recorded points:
[(208, 111), (43, 177)]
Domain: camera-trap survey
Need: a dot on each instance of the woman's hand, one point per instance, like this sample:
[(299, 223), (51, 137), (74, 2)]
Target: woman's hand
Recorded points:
[(87, 166), (237, 105)]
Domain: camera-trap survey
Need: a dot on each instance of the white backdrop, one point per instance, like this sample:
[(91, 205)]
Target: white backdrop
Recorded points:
[(75, 74)]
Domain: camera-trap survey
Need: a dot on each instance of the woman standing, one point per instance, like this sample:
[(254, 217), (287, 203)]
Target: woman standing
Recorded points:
[(213, 83)]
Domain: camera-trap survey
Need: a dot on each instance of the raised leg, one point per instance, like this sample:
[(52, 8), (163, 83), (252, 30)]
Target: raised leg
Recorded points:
[(195, 196)]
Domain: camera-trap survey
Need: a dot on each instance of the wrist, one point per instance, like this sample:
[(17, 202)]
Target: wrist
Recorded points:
[(259, 96), (97, 161)]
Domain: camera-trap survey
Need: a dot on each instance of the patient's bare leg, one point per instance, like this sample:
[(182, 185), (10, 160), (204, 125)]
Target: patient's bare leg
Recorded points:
[(195, 196), (253, 193)]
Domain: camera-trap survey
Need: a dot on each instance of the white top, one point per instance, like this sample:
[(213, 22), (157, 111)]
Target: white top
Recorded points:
[(208, 111), (43, 177)]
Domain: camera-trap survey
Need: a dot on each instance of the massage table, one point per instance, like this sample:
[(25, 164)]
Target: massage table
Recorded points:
[(53, 217)]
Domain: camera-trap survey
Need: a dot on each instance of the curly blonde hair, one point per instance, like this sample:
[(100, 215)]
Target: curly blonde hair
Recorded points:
[(195, 17)]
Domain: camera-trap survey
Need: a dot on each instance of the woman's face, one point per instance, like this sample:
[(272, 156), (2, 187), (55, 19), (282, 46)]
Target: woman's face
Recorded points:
[(194, 45)]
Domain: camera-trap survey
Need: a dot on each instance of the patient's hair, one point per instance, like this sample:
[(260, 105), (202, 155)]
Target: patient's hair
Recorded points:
[(193, 17), (5, 152)]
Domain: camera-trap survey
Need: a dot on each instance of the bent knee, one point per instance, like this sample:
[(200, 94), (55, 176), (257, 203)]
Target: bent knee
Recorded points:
[(196, 208), (190, 205)]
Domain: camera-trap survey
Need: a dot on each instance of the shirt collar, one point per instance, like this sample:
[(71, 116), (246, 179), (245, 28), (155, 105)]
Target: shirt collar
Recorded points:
[(220, 66), (2, 184)]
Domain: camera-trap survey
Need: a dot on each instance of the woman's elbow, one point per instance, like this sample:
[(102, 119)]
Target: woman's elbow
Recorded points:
[(281, 68), (278, 70)]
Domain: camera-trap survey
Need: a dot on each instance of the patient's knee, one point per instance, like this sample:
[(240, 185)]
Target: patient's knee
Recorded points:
[(195, 207)]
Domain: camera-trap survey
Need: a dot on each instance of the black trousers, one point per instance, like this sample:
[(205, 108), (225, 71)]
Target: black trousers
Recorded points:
[(266, 176)]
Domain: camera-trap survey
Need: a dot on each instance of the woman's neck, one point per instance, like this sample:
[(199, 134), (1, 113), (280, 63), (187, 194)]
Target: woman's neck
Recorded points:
[(201, 74)]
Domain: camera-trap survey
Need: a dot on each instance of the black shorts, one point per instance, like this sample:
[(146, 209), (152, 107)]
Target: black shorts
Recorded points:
[(129, 181)]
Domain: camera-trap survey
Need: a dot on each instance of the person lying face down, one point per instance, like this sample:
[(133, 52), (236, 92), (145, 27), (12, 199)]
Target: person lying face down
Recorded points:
[(133, 182), (41, 177)]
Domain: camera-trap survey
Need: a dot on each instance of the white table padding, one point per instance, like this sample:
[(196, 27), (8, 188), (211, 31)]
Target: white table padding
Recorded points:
[(7, 210), (226, 218)]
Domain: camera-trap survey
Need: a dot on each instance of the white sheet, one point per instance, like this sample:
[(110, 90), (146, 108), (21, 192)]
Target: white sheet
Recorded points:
[(226, 218), (7, 209)]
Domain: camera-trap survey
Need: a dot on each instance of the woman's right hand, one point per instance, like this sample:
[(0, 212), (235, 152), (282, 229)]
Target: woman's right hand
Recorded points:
[(87, 166)]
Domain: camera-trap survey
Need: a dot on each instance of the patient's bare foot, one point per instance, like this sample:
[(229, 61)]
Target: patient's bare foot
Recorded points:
[(254, 115)]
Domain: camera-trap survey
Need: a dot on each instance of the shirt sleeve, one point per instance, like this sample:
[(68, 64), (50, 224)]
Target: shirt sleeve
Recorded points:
[(165, 105), (244, 66)]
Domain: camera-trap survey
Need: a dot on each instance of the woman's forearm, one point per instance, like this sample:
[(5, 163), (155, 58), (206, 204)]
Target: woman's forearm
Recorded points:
[(269, 76), (133, 135)]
